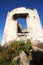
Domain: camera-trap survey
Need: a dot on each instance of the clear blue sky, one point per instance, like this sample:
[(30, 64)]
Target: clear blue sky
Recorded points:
[(8, 5)]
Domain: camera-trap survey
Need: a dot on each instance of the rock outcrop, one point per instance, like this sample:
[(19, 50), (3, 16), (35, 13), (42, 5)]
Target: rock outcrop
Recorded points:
[(21, 59)]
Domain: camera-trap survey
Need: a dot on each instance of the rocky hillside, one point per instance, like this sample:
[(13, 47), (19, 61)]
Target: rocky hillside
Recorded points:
[(20, 53), (16, 53)]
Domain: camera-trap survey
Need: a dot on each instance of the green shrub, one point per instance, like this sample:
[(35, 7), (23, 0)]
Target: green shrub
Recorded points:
[(13, 63), (8, 53)]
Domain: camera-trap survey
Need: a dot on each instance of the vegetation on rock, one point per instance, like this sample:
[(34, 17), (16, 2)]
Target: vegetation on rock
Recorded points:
[(8, 53)]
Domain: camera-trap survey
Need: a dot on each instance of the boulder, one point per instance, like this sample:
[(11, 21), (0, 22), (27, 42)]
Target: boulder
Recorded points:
[(21, 59)]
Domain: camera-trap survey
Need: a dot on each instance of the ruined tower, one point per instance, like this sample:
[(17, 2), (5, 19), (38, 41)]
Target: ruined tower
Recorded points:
[(33, 31)]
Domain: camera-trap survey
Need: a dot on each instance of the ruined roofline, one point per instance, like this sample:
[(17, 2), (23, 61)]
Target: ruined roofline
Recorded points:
[(21, 10)]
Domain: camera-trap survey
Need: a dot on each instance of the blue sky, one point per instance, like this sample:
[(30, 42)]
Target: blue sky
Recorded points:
[(8, 5), (22, 21)]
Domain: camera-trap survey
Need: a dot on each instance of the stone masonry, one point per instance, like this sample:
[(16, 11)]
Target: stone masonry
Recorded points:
[(34, 29)]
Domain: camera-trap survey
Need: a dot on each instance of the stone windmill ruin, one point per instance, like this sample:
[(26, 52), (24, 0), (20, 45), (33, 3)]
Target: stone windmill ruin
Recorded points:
[(13, 30)]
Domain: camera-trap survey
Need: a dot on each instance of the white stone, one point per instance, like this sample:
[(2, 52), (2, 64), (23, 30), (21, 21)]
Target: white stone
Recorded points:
[(34, 28)]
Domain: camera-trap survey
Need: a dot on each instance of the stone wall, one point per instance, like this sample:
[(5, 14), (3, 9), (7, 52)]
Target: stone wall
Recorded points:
[(33, 25)]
